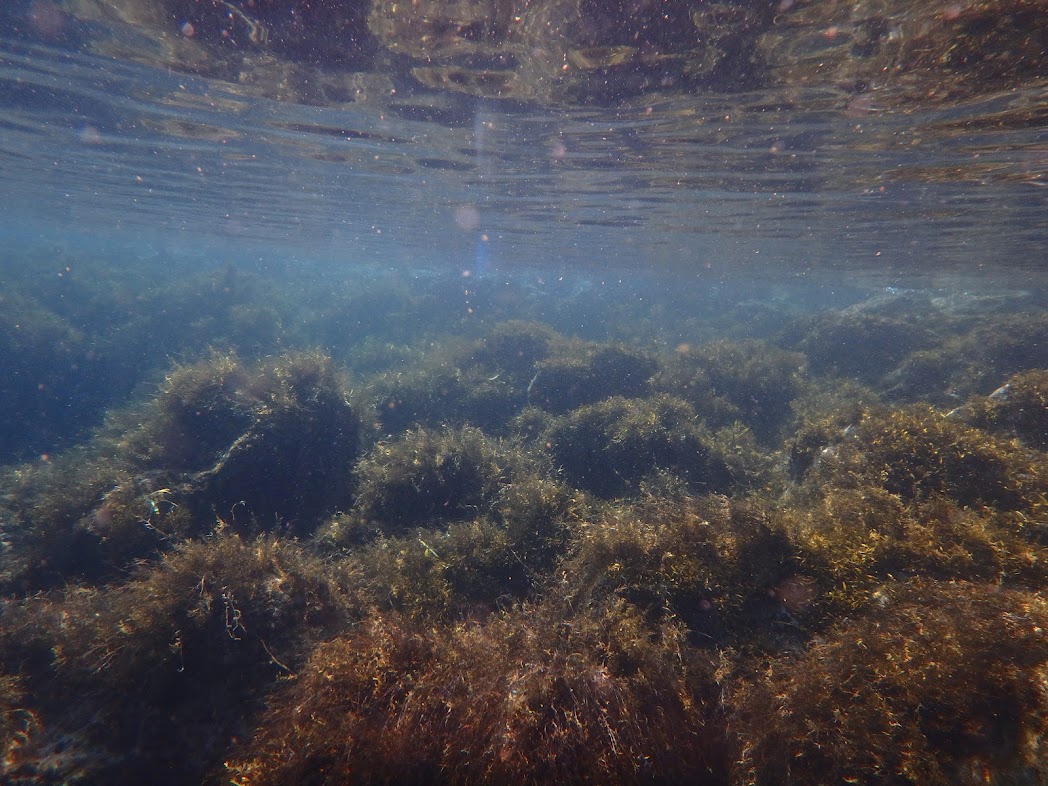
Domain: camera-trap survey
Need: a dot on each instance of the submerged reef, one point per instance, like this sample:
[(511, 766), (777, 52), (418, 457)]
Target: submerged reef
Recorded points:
[(522, 554)]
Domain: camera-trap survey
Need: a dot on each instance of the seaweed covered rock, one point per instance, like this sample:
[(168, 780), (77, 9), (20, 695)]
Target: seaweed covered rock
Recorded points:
[(584, 375), (83, 515), (924, 375), (938, 684), (610, 447), (464, 568), (258, 447), (1006, 345), (1019, 408), (708, 562), (917, 452), (515, 348), (850, 541), (18, 725), (467, 569), (274, 442), (858, 343), (749, 381), (534, 695), (179, 656), (431, 476), (436, 394)]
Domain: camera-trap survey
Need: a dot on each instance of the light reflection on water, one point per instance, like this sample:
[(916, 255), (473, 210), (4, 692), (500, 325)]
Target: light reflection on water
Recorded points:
[(752, 182)]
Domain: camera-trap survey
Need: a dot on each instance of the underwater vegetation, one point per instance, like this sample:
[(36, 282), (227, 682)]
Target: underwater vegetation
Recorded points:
[(1018, 408), (258, 447), (518, 555), (533, 695), (610, 447), (943, 683), (166, 666), (750, 382)]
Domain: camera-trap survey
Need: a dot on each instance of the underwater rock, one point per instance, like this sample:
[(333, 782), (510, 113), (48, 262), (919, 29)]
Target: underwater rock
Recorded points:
[(939, 683), (610, 447), (1018, 408), (274, 444), (430, 476)]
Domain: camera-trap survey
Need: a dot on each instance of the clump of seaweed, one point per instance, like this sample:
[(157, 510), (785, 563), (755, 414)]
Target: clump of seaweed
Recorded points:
[(938, 683), (918, 452), (261, 447), (435, 394), (429, 476), (44, 507), (515, 348), (272, 443), (860, 344), (1019, 408), (466, 568), (199, 411), (531, 696), (610, 447), (709, 562), (451, 522), (728, 381), (582, 374), (167, 666), (999, 348), (17, 724), (851, 540), (926, 375)]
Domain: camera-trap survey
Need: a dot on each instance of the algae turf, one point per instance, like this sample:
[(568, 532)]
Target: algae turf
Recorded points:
[(427, 476), (728, 381), (522, 557), (157, 674), (534, 695), (1018, 408), (263, 446), (610, 447), (941, 683), (917, 452)]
